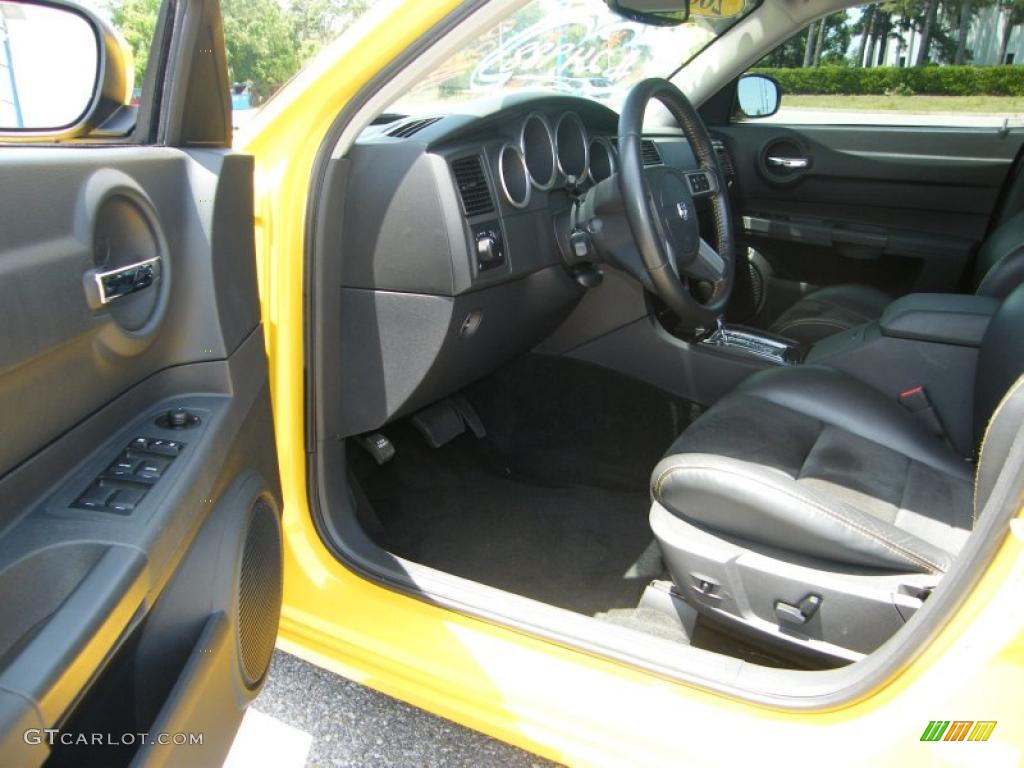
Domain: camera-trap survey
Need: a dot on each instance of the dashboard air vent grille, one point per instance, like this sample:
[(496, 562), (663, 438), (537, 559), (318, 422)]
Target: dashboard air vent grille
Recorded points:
[(472, 184), (650, 153), (407, 129)]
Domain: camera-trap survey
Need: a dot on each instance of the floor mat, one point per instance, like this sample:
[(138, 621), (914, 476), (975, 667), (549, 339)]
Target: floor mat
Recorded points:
[(459, 510), (552, 504)]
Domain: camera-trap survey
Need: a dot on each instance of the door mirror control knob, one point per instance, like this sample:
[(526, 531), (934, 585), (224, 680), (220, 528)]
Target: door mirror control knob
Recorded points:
[(177, 418)]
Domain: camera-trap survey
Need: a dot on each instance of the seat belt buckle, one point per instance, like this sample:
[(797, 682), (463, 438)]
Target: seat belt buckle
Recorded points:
[(916, 401)]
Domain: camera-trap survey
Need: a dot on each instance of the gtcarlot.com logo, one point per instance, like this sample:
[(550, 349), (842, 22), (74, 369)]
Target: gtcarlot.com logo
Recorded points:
[(54, 736), (958, 730)]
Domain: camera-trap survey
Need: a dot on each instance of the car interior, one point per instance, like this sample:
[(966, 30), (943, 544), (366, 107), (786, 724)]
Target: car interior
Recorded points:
[(703, 381), (730, 399)]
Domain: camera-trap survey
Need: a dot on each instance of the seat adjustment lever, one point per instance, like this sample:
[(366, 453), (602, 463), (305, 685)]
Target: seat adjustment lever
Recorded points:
[(800, 613)]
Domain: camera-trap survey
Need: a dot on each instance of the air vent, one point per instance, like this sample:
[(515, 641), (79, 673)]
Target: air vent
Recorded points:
[(405, 130), (472, 184), (649, 152), (725, 160)]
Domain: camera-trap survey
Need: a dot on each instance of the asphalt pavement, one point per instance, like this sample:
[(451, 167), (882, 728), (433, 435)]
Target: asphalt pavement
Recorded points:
[(307, 716)]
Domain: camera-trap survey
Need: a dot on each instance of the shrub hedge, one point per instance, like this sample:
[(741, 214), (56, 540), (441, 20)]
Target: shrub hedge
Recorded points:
[(932, 81)]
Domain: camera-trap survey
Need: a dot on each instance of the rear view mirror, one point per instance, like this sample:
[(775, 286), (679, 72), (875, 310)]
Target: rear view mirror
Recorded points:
[(758, 96), (63, 72), (659, 13)]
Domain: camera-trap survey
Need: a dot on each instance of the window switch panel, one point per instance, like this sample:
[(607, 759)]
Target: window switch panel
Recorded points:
[(124, 483)]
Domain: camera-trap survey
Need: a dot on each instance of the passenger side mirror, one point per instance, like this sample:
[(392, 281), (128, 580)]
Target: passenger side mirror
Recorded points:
[(63, 72), (758, 96), (659, 13)]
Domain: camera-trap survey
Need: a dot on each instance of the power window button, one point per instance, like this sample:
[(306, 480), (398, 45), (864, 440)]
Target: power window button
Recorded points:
[(139, 444), (125, 500), (95, 497), (122, 468), (164, 447), (150, 470)]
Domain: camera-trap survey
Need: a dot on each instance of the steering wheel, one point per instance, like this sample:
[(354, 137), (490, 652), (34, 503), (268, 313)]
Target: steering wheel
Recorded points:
[(659, 205)]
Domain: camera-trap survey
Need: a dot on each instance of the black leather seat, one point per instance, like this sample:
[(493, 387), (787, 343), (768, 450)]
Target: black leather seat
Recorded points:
[(807, 482), (999, 269)]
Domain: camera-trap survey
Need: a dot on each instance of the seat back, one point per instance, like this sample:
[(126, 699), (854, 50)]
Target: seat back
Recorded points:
[(1000, 264), (1000, 360)]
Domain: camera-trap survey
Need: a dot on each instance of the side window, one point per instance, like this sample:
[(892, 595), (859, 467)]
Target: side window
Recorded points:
[(954, 64)]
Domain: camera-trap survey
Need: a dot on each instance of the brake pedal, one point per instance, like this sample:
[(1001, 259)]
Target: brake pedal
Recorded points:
[(439, 423), (469, 416), (377, 445)]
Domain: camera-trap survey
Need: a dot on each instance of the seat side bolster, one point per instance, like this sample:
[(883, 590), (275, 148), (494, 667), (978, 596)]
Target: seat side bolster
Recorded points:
[(758, 503), (1003, 276)]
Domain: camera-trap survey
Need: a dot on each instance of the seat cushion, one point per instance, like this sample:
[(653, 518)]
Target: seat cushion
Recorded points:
[(830, 310), (809, 460)]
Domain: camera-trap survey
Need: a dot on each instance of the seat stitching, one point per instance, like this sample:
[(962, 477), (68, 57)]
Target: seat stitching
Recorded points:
[(892, 546), (767, 399), (812, 321), (984, 439)]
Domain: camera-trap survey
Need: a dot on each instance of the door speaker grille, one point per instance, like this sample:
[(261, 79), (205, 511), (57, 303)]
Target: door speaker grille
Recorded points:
[(259, 592)]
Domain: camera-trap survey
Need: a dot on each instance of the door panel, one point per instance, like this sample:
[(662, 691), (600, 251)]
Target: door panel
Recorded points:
[(140, 549), (902, 209)]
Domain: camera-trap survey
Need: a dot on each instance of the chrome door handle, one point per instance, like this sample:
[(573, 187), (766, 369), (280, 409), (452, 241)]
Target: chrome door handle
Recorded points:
[(102, 287), (789, 162)]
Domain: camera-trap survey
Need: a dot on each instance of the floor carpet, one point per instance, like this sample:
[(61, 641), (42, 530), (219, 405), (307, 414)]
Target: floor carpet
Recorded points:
[(552, 504)]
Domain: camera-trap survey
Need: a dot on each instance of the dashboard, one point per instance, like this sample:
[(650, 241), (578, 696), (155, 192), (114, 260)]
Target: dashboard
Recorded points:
[(450, 256)]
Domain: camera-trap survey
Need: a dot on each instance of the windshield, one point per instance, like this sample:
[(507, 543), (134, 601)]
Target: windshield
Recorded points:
[(577, 47)]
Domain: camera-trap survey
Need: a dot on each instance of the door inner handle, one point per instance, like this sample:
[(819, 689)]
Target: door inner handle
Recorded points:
[(789, 162), (103, 286)]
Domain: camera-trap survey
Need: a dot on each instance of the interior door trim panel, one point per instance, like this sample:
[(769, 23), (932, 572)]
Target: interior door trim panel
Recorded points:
[(940, 180), (115, 553), (133, 556), (61, 365)]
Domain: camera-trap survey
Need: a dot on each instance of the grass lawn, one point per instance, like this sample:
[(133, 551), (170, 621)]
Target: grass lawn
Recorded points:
[(1002, 105)]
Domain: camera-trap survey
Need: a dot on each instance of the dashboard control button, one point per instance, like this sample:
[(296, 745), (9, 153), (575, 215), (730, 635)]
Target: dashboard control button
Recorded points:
[(490, 250), (139, 444)]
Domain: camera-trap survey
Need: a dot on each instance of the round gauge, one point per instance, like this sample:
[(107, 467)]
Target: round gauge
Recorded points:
[(514, 178), (538, 145), (602, 159), (571, 145)]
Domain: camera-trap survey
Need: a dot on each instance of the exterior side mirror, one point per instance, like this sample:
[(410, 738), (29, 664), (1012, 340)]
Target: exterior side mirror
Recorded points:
[(64, 73), (758, 96)]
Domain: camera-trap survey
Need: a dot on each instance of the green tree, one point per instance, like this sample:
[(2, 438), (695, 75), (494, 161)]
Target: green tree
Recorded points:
[(927, 31), (1011, 14), (266, 42), (832, 50), (260, 41), (318, 22), (136, 20)]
